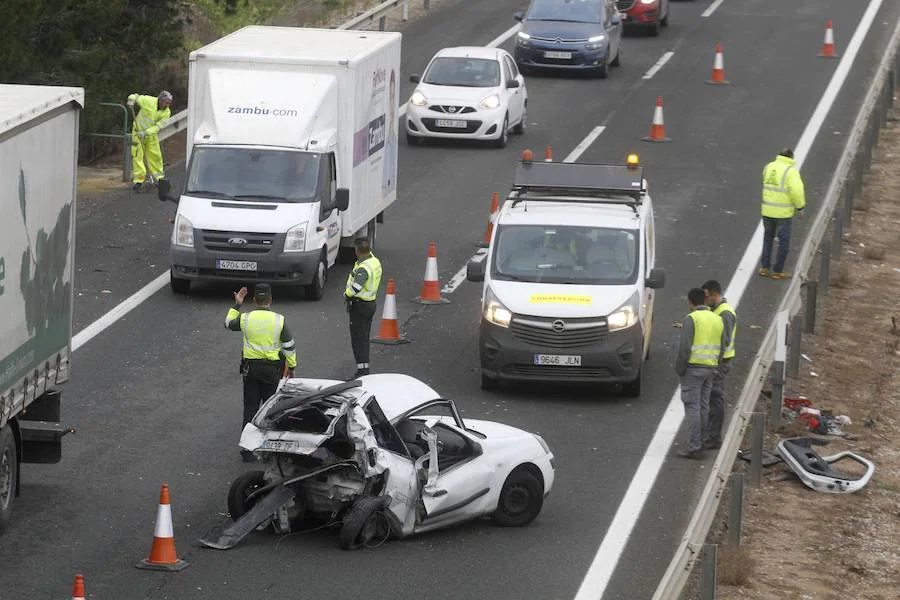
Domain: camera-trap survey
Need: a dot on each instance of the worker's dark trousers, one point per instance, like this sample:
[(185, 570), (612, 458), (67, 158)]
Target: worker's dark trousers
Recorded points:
[(361, 315), (259, 385)]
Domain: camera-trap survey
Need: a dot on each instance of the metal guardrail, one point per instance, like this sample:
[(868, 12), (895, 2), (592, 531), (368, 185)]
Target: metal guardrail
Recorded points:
[(847, 179)]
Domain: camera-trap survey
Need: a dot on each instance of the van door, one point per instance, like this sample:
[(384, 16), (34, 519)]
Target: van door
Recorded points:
[(649, 262), (329, 218)]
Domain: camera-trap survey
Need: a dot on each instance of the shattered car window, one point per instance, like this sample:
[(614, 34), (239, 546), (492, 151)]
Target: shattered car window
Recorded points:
[(385, 434)]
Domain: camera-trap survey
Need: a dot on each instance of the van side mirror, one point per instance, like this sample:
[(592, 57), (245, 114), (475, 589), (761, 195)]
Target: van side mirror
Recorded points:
[(657, 279), (512, 83), (163, 191), (475, 270), (518, 15), (415, 78), (342, 198)]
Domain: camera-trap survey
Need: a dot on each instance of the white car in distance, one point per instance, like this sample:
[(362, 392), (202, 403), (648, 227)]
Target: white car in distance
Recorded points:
[(469, 92)]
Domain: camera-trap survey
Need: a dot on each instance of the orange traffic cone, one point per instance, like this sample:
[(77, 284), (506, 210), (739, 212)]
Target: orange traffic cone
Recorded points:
[(657, 129), (718, 74), (78, 588), (828, 46), (431, 291), (548, 154), (389, 332), (495, 206), (162, 554)]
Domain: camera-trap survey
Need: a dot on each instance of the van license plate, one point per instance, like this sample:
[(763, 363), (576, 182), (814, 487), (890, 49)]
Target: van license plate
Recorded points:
[(236, 265), (559, 55), (450, 123), (562, 360)]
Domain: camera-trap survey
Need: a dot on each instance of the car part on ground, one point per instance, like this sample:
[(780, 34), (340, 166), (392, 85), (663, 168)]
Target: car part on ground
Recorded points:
[(816, 471)]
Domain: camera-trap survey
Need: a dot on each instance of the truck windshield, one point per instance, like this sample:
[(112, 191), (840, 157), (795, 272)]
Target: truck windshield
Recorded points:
[(566, 254), (253, 175)]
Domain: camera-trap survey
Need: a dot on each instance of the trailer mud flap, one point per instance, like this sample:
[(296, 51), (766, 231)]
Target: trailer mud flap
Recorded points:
[(262, 510), (41, 441)]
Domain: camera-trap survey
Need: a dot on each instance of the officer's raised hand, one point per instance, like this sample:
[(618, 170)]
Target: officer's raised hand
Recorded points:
[(240, 295)]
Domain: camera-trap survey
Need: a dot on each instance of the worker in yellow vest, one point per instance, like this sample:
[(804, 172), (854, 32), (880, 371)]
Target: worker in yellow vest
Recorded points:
[(360, 296), (699, 354), (712, 437), (267, 348), (153, 114), (782, 197)]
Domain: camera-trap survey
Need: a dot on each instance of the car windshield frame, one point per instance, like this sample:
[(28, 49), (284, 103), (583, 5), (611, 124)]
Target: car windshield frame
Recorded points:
[(599, 257), (246, 174), (553, 10), (439, 62)]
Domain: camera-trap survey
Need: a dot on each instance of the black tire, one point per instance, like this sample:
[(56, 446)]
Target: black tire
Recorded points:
[(316, 289), (178, 285), (519, 128), (243, 486), (603, 72), (489, 384), (653, 30), (617, 61), (632, 389), (413, 140), (365, 523), (521, 499), (665, 20), (500, 142), (9, 474)]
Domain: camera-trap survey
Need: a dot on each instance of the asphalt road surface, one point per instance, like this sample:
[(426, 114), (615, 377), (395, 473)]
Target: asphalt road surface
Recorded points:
[(156, 396)]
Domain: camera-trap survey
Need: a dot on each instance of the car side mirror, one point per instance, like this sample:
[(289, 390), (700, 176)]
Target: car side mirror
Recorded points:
[(518, 15), (415, 78), (163, 191), (475, 270), (513, 83), (616, 20), (657, 279), (342, 199)]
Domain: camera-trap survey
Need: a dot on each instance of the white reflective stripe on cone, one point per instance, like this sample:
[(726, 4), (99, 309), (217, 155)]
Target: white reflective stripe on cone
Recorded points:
[(390, 307), (719, 63), (164, 522), (658, 115), (431, 271)]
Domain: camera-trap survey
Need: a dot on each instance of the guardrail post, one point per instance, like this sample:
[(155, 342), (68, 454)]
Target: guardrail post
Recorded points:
[(736, 514), (811, 286), (406, 10), (708, 591), (825, 265), (756, 448), (838, 238), (777, 381), (427, 4), (793, 364), (848, 205), (381, 23)]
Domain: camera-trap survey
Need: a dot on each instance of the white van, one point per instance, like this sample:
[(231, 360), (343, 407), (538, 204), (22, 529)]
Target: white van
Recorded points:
[(292, 154), (569, 277)]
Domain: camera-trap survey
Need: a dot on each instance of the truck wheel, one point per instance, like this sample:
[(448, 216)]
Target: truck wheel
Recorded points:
[(9, 471), (521, 499), (179, 286), (365, 524), (316, 289), (243, 486)]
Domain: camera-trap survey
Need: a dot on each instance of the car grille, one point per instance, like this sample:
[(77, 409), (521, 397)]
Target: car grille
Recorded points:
[(549, 372), (624, 4), (471, 127), (559, 40), (577, 334), (451, 110), (256, 243)]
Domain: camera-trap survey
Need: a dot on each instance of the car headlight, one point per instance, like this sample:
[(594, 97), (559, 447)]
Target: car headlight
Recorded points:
[(649, 1), (542, 443), (522, 38), (624, 316), (295, 238), (495, 312), (595, 42), (418, 99), (183, 235), (492, 101)]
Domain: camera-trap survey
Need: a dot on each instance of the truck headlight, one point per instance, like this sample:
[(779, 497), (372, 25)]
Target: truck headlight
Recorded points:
[(595, 42), (624, 316), (418, 99), (183, 235), (295, 238), (495, 312), (492, 101)]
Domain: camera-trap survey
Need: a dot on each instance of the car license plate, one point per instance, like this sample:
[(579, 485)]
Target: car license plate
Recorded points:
[(563, 55), (236, 265), (450, 123), (286, 445), (561, 360)]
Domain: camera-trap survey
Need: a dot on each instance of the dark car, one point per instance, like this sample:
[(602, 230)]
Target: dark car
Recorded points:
[(569, 35), (647, 14)]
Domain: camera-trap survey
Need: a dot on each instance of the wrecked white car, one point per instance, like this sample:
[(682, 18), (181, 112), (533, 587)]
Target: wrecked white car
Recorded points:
[(383, 457)]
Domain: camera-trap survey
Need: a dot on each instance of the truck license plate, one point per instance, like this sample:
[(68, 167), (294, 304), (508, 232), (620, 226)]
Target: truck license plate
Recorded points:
[(236, 265), (561, 55), (282, 445), (451, 123), (562, 360)]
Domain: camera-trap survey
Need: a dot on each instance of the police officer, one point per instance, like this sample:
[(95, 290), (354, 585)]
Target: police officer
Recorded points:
[(699, 353), (712, 437), (782, 197), (360, 296), (266, 340)]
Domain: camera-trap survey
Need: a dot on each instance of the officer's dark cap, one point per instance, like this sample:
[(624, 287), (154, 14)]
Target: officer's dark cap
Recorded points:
[(262, 292), (787, 152)]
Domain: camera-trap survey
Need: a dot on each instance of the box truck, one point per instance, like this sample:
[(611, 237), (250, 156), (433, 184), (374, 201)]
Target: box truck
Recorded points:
[(291, 154), (38, 171)]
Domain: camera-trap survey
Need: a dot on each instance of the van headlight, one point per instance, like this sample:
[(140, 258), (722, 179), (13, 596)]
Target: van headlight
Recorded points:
[(295, 238), (492, 101), (624, 316), (418, 99), (183, 234), (495, 312)]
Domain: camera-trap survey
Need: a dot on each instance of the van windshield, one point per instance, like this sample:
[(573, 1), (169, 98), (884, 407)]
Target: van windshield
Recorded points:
[(566, 254), (253, 175)]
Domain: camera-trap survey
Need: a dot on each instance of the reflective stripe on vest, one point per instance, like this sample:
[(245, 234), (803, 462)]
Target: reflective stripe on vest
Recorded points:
[(261, 331), (781, 188), (725, 307), (707, 342), (372, 267)]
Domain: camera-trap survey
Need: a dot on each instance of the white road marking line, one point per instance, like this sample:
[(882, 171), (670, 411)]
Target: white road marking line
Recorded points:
[(607, 558), (712, 8), (460, 276), (659, 65), (584, 145)]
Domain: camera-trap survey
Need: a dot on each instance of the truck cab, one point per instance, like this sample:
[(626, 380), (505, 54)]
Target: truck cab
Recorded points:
[(569, 277)]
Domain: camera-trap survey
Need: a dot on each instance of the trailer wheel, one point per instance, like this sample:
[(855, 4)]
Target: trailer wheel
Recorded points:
[(9, 471)]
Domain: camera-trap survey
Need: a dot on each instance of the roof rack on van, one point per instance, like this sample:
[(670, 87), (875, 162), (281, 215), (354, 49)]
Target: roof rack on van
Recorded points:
[(579, 182)]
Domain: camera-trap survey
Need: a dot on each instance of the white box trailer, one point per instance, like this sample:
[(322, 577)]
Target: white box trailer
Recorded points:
[(38, 180), (292, 154)]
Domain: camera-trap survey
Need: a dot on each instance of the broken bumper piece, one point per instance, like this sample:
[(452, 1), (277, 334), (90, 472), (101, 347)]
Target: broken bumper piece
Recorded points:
[(816, 471)]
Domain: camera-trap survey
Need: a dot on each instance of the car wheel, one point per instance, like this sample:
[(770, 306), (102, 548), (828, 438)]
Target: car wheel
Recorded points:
[(632, 389), (178, 285), (519, 129), (489, 384), (243, 486), (653, 30), (365, 523), (413, 140), (665, 21), (500, 142), (521, 499), (603, 72), (316, 289), (617, 61), (9, 466)]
